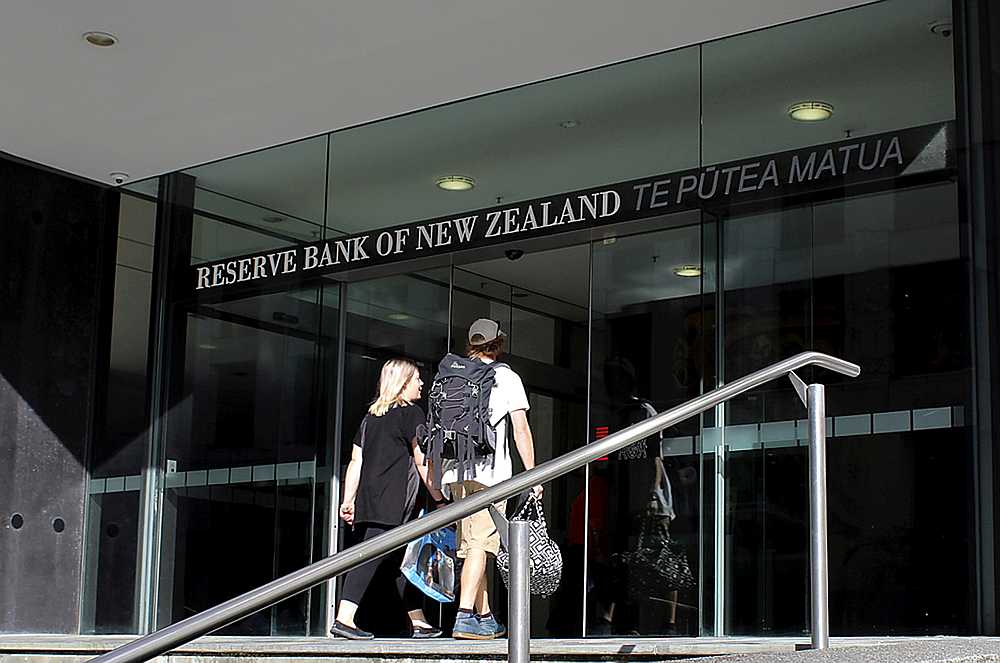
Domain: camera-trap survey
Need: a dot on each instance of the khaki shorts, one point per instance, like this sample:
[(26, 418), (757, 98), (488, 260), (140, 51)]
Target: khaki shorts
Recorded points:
[(478, 531)]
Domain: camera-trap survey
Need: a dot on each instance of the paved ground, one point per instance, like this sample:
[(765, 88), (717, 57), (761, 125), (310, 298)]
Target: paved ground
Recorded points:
[(79, 649), (929, 650)]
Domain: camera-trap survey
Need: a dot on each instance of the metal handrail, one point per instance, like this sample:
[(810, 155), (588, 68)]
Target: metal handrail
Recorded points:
[(186, 630)]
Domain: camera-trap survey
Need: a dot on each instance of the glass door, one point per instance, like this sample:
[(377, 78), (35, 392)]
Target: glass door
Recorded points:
[(242, 437), (404, 315), (878, 280), (540, 300), (649, 346)]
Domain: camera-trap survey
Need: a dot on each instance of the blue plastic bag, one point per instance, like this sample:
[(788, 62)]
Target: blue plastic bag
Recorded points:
[(429, 564)]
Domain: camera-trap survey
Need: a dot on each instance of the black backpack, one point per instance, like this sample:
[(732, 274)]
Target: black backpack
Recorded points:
[(458, 415)]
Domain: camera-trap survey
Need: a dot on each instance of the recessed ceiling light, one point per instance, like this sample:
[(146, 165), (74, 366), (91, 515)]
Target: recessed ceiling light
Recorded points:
[(398, 316), (456, 183), (941, 27), (273, 219), (810, 111), (101, 39), (207, 346), (519, 294), (569, 124), (688, 271)]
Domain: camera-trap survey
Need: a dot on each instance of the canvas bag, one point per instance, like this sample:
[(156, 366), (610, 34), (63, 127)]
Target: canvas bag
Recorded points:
[(458, 415)]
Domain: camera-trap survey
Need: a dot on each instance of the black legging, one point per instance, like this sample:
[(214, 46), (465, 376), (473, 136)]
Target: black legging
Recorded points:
[(357, 580)]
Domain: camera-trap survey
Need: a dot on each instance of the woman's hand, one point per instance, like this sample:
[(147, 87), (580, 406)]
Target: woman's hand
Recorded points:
[(436, 503), (347, 512)]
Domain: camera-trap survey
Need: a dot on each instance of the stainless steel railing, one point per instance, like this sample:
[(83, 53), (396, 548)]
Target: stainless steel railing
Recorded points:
[(186, 630)]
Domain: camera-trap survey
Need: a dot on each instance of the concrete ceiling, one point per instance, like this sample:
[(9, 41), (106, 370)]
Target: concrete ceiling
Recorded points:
[(190, 81)]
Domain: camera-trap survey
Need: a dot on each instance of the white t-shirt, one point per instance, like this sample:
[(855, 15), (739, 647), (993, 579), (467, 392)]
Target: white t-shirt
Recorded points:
[(506, 396)]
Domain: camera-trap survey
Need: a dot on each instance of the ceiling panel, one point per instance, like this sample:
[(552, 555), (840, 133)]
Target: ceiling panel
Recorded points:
[(192, 81)]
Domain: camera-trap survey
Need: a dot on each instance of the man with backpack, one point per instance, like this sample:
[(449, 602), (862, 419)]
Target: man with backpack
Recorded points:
[(475, 406)]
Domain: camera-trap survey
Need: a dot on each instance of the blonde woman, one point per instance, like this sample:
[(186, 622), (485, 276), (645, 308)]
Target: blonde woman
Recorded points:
[(380, 490)]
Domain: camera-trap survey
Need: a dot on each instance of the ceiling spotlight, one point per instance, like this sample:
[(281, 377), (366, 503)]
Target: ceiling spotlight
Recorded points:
[(688, 271), (100, 39), (118, 178), (398, 316), (569, 124), (941, 27), (810, 111), (273, 219), (456, 183)]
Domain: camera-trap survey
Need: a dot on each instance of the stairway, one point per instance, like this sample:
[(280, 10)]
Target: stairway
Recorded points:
[(77, 649)]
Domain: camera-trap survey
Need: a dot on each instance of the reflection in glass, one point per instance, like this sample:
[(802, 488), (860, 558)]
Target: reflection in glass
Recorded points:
[(876, 279), (281, 188), (879, 66), (214, 239), (242, 444), (629, 120), (263, 200), (646, 357), (118, 457)]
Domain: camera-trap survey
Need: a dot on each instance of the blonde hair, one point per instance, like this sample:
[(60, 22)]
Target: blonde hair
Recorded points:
[(396, 374)]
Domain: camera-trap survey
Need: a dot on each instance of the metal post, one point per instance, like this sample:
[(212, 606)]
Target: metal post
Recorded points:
[(816, 405), (519, 602)]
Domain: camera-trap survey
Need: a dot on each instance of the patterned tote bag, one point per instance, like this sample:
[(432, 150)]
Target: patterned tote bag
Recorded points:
[(544, 558)]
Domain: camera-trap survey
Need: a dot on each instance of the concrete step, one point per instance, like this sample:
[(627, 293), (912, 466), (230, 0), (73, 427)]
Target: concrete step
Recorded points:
[(77, 649), (923, 650)]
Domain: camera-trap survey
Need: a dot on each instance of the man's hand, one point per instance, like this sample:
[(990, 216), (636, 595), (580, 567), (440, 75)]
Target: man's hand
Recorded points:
[(347, 512), (538, 490)]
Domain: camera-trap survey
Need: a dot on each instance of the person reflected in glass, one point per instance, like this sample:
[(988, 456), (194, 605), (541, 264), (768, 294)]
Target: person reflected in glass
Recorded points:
[(380, 491), (590, 515), (637, 474)]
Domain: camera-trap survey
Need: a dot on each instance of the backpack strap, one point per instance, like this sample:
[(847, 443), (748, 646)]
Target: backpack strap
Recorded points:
[(508, 435), (436, 445), (508, 429)]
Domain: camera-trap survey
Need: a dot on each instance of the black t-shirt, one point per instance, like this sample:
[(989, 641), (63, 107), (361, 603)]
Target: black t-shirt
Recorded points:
[(387, 490)]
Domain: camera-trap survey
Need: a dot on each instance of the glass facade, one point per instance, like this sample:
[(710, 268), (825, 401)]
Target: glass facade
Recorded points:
[(113, 509), (255, 395)]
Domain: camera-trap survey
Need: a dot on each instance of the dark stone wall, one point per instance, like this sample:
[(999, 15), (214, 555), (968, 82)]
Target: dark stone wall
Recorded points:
[(57, 237), (977, 53)]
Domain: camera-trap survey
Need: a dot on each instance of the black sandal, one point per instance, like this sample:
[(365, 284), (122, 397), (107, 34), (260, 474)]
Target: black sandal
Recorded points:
[(424, 632)]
